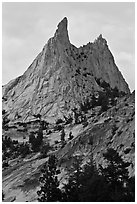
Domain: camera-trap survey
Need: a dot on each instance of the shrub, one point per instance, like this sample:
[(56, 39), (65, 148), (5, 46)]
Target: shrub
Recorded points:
[(58, 128), (70, 136), (5, 164), (56, 142), (59, 121), (49, 132)]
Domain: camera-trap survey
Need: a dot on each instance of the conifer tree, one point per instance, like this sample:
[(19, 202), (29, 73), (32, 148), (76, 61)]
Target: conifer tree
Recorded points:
[(72, 188), (93, 186), (116, 175), (50, 191)]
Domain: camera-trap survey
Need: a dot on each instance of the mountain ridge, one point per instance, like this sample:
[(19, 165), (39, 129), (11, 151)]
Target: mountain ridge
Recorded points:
[(62, 72)]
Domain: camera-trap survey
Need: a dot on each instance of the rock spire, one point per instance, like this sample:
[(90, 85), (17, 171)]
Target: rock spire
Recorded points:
[(62, 77)]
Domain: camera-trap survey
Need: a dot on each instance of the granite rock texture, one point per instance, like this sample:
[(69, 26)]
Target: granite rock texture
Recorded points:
[(61, 77)]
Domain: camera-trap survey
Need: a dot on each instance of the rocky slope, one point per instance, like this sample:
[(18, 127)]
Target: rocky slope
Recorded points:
[(62, 77), (114, 128)]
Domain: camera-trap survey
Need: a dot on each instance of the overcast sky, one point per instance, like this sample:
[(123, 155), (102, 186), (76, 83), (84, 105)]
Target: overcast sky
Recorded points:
[(26, 27)]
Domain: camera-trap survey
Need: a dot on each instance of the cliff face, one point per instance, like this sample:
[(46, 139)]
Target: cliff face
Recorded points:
[(61, 77)]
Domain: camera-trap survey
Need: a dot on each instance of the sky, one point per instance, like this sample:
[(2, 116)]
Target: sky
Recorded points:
[(26, 27)]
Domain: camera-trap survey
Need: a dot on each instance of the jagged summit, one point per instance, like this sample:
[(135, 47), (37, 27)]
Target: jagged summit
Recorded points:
[(63, 24), (100, 39), (62, 32), (62, 77)]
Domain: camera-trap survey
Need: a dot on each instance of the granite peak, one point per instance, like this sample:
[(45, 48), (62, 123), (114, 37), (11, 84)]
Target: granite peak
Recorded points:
[(62, 32), (62, 77)]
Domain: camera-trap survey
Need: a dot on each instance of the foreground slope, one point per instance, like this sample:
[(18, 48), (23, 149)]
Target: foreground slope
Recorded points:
[(114, 128)]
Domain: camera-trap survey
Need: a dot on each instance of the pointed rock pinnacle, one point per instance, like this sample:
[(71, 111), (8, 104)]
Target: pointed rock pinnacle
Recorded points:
[(63, 24), (62, 32)]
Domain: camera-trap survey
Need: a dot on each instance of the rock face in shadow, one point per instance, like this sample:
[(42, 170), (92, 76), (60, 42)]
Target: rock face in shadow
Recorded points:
[(61, 77)]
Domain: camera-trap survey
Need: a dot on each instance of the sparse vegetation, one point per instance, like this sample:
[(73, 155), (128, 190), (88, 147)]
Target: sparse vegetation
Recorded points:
[(5, 120), (87, 183), (12, 149), (59, 121)]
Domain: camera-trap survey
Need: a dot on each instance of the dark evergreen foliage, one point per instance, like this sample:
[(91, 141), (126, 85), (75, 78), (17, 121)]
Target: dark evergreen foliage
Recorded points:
[(59, 121), (70, 136), (36, 141), (93, 186), (37, 116), (12, 149), (44, 150), (72, 188), (5, 122), (68, 120), (3, 112), (62, 135), (117, 177), (50, 191), (24, 149), (58, 128), (86, 184), (3, 195)]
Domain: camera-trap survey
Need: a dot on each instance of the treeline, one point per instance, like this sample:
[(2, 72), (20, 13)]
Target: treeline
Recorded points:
[(88, 184), (12, 149)]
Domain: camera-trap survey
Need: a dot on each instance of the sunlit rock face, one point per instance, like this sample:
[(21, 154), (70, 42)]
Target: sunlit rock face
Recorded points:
[(61, 77)]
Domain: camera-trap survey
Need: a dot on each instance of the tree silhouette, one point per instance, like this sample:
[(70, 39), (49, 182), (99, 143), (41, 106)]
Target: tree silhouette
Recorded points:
[(116, 175), (111, 184), (50, 191), (93, 186), (36, 142), (72, 188), (62, 137), (70, 136), (85, 184)]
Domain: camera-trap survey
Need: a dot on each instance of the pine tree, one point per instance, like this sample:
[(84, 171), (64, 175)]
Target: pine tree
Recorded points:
[(50, 191), (116, 175), (72, 188), (85, 184)]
